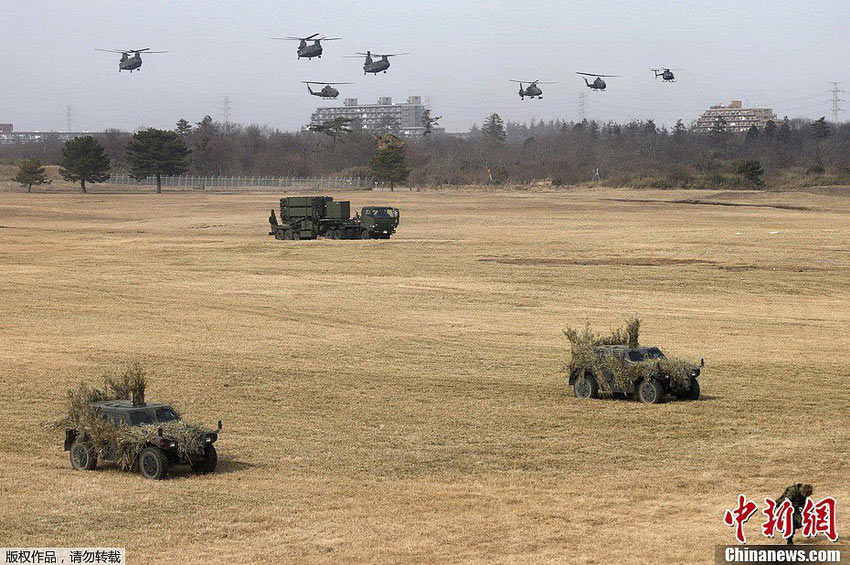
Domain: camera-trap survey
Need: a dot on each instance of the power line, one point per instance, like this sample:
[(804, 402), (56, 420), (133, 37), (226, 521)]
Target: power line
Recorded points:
[(835, 100)]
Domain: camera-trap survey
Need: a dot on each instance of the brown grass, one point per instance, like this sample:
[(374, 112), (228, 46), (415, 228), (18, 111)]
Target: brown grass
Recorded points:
[(403, 400)]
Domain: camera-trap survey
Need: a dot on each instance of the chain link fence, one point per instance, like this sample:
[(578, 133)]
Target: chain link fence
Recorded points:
[(292, 183)]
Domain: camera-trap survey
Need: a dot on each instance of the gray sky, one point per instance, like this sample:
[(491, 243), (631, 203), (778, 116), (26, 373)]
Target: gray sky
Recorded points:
[(781, 54)]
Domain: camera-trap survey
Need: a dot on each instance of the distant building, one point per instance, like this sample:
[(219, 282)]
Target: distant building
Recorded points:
[(738, 118), (405, 117), (10, 137), (6, 128)]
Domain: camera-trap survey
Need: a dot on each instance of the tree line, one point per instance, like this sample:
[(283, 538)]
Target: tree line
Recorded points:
[(637, 153)]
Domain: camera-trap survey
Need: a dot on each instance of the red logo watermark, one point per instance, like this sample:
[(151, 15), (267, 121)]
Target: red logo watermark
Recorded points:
[(814, 518)]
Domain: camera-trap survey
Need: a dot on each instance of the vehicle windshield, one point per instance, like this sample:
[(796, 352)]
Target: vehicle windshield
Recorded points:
[(166, 414), (638, 355), (380, 212), (140, 417)]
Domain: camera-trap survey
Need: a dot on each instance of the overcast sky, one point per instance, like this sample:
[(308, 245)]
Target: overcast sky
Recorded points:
[(781, 54)]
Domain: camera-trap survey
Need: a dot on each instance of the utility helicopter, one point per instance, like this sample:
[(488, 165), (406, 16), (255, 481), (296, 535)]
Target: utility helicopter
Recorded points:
[(128, 63), (309, 50), (598, 83), (370, 65), (532, 90), (665, 74), (327, 91)]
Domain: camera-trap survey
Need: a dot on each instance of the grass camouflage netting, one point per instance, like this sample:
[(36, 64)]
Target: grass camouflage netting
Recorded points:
[(584, 358), (125, 442)]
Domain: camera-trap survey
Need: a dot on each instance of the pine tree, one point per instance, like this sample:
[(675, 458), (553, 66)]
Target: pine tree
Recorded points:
[(494, 128), (769, 128), (428, 123), (752, 134), (427, 127), (30, 172), (751, 170), (84, 160), (389, 164), (784, 131), (821, 129), (183, 127), (156, 153), (679, 130), (719, 131)]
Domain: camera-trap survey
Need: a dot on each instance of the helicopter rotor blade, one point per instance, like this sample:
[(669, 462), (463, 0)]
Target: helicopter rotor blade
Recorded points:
[(112, 50), (596, 75), (320, 82), (388, 54), (327, 38), (290, 38)]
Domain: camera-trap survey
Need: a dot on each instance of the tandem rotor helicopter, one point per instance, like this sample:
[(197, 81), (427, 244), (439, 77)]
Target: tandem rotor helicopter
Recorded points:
[(598, 84), (532, 90), (128, 63), (370, 65), (327, 92), (309, 50)]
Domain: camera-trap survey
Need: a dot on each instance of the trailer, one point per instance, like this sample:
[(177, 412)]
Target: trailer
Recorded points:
[(311, 217)]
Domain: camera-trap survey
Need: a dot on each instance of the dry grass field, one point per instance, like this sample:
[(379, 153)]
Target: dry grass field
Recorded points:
[(402, 400)]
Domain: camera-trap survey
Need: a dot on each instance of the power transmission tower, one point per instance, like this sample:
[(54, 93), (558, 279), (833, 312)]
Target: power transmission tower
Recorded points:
[(835, 100), (582, 106), (225, 109), (69, 118)]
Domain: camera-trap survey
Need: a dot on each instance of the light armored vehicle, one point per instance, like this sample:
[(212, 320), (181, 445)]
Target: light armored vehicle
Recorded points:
[(309, 217), (643, 372), (150, 438)]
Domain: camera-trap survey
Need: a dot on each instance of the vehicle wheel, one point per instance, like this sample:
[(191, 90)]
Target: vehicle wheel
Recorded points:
[(279, 234), (586, 387), (208, 463), (83, 457), (693, 393), (289, 234), (650, 391), (153, 464), (364, 234)]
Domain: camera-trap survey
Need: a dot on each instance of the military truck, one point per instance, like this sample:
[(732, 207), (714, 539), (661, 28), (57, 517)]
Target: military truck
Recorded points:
[(310, 217), (148, 437), (642, 372)]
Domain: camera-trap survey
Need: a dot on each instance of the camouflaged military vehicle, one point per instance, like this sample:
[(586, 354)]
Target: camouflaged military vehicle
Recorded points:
[(617, 364), (310, 217), (642, 372), (150, 438)]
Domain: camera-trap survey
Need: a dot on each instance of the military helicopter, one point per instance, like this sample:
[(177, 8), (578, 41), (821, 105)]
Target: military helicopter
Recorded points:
[(597, 84), (665, 74), (532, 90), (128, 63), (375, 67), (308, 51), (327, 91)]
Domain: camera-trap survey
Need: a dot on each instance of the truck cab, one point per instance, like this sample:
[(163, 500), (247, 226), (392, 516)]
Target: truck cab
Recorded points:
[(380, 221)]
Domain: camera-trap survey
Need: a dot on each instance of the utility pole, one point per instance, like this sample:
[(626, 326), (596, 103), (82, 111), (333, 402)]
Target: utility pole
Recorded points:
[(582, 106), (225, 109), (835, 100)]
